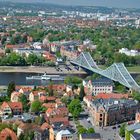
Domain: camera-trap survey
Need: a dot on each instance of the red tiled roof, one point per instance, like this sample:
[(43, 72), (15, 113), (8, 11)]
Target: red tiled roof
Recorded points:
[(49, 110), (4, 104), (27, 126), (43, 98), (51, 98), (23, 87), (15, 93), (49, 105), (36, 92), (58, 87), (15, 105), (63, 120), (5, 133), (111, 95)]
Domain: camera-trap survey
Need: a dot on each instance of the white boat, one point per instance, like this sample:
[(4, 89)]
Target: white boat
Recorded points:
[(45, 77), (48, 77)]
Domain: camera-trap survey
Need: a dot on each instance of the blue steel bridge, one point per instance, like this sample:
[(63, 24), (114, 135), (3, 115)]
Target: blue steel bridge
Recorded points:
[(116, 72)]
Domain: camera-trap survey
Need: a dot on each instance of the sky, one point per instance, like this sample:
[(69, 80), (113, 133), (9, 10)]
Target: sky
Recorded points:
[(108, 3)]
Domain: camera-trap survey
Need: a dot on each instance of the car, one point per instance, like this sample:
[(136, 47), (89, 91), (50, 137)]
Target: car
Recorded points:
[(114, 127), (119, 126)]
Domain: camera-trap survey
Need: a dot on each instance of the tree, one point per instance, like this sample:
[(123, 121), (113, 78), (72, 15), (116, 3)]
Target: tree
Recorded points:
[(7, 50), (24, 101), (66, 100), (21, 136), (136, 96), (82, 93), (36, 106), (91, 130), (51, 93), (73, 80), (32, 59), (10, 89), (3, 40), (75, 108), (81, 129), (138, 79), (14, 127), (27, 136), (122, 130)]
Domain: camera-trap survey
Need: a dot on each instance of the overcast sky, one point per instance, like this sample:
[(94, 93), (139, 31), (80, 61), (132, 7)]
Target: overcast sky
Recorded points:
[(108, 3)]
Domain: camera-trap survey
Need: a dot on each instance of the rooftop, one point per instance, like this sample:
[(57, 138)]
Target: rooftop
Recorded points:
[(113, 104), (136, 135), (133, 127)]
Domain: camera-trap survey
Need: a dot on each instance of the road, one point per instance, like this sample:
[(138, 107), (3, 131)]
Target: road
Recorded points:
[(40, 69)]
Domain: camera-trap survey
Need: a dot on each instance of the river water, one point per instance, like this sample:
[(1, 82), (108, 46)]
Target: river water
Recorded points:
[(20, 79)]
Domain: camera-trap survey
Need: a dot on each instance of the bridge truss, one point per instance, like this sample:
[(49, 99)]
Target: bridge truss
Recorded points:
[(116, 72)]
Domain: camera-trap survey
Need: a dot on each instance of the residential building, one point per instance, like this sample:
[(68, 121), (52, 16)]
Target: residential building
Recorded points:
[(137, 119), (129, 52), (2, 52), (101, 85), (38, 95), (92, 136), (25, 127), (48, 56), (88, 99), (64, 135), (111, 95), (6, 133), (111, 111), (41, 134), (15, 96), (59, 112), (61, 132), (24, 90), (8, 108)]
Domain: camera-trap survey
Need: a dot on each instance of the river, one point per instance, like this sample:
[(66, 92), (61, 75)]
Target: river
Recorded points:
[(20, 79)]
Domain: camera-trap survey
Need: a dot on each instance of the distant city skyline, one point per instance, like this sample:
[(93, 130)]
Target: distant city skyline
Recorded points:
[(106, 3)]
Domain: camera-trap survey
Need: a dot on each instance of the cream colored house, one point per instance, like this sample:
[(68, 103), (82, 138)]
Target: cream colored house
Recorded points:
[(15, 96)]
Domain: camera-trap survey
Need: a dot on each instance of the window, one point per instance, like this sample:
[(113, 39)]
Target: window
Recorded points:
[(101, 119)]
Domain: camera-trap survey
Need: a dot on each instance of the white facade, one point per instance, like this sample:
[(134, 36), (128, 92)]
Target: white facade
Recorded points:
[(129, 52), (64, 134), (98, 88)]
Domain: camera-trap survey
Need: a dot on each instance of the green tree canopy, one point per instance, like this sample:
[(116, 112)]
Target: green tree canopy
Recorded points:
[(122, 130), (75, 108), (11, 88), (82, 93), (24, 101), (36, 106), (73, 80)]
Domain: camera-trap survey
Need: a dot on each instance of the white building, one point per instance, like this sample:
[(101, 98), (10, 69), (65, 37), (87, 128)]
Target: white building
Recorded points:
[(129, 52), (37, 45), (64, 134), (102, 85)]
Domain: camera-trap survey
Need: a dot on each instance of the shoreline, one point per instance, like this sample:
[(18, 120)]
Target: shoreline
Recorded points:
[(37, 69), (41, 70)]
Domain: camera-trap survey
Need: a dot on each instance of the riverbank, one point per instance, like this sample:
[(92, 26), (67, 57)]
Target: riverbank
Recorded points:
[(36, 69)]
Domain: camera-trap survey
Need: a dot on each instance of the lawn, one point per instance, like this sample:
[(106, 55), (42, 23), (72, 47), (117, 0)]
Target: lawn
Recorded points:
[(134, 69)]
